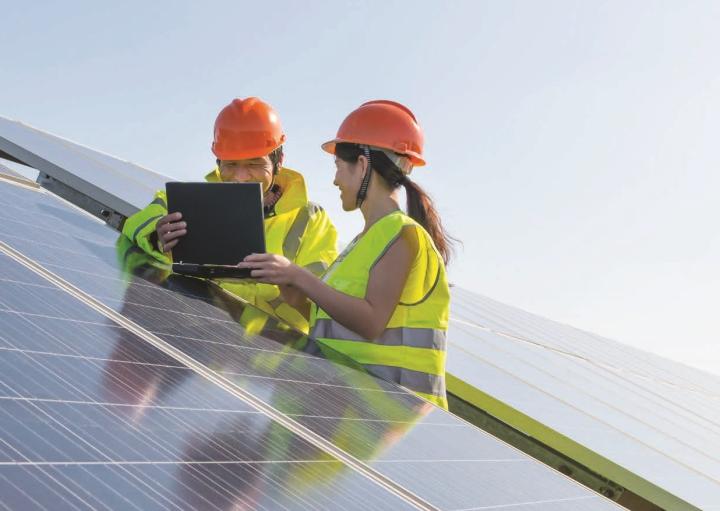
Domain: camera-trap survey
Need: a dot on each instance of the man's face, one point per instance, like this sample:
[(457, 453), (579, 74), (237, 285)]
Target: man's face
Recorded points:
[(254, 170)]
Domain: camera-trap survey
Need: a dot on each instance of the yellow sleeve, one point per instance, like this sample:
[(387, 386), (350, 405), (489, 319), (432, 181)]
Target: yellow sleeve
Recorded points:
[(139, 228)]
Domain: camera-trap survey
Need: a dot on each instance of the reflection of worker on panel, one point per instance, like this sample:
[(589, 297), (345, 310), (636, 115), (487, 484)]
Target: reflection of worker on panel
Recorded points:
[(248, 145), (211, 445)]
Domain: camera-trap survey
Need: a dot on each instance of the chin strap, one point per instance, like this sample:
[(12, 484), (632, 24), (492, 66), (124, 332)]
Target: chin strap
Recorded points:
[(273, 194), (362, 192), (270, 199)]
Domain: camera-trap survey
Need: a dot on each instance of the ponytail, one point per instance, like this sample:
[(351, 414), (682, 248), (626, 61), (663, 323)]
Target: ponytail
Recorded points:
[(420, 206)]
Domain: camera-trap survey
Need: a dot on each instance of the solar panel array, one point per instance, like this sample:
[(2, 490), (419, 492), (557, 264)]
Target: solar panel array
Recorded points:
[(119, 184), (124, 387), (575, 391), (649, 424)]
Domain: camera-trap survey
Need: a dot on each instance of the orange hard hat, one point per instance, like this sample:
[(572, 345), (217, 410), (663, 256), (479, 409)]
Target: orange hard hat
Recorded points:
[(247, 128), (383, 124)]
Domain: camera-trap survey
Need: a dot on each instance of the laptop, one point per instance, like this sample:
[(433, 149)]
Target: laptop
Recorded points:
[(224, 224)]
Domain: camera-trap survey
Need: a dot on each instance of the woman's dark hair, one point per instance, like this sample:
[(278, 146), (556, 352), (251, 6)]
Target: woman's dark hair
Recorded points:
[(420, 206)]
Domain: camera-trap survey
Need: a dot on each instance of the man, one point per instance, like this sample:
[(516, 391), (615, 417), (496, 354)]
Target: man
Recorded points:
[(248, 146)]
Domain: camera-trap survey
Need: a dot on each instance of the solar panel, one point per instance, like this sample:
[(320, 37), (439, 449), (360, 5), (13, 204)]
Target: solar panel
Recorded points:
[(93, 417), (650, 425), (109, 187), (377, 430)]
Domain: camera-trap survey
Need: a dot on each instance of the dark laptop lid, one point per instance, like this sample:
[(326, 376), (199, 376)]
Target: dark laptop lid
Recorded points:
[(224, 221)]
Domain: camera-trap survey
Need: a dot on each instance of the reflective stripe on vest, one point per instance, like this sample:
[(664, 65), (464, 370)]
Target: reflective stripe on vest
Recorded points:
[(411, 351), (430, 338), (416, 381), (293, 236)]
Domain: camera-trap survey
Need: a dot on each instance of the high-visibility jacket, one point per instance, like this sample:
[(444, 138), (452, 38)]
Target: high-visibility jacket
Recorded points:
[(412, 349), (297, 228)]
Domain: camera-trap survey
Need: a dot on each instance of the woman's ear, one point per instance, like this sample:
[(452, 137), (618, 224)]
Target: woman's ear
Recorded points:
[(362, 162)]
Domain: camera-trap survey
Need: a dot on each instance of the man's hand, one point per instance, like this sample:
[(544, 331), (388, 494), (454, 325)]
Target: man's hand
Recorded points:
[(169, 230)]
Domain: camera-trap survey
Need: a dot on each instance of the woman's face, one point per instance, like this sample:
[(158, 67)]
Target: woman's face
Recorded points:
[(348, 178)]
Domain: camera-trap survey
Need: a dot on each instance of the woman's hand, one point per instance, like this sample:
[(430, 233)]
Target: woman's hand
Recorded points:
[(271, 269)]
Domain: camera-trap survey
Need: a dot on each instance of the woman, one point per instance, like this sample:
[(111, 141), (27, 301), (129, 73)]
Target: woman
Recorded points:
[(384, 301)]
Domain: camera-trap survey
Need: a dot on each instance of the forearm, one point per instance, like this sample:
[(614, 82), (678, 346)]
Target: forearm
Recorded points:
[(362, 315), (357, 314)]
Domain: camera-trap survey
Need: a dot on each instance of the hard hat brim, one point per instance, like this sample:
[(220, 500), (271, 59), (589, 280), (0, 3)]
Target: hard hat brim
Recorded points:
[(329, 147), (236, 154)]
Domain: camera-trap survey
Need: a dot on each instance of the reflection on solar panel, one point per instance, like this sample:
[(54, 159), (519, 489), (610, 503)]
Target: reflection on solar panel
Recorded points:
[(124, 387), (94, 417), (646, 423)]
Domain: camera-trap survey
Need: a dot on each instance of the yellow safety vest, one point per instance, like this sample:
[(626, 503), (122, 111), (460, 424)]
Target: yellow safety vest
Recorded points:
[(298, 229), (412, 349)]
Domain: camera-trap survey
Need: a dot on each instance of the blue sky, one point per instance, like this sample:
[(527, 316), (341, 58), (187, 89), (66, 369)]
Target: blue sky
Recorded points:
[(572, 146)]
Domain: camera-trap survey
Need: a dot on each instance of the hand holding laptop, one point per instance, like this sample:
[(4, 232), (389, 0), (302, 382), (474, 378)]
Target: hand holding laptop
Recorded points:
[(169, 230)]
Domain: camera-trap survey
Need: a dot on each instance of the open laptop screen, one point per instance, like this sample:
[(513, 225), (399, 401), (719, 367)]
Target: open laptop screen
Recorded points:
[(224, 221)]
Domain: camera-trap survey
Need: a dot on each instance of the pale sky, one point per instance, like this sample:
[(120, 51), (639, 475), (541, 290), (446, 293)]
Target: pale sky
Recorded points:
[(571, 146)]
